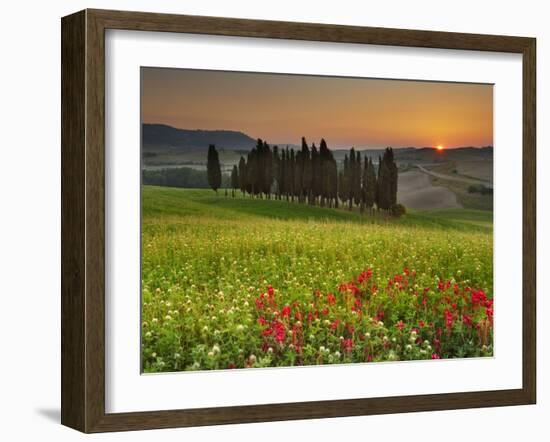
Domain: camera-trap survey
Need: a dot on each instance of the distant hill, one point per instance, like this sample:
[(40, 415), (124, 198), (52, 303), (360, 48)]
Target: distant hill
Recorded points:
[(430, 154), (426, 154), (160, 137)]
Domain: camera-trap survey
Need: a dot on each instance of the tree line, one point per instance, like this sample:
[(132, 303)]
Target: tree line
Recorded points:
[(185, 177), (310, 175)]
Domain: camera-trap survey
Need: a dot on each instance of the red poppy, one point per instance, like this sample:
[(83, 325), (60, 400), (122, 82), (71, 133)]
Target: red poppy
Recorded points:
[(285, 312), (348, 345), (364, 276), (279, 331), (448, 319), (478, 297)]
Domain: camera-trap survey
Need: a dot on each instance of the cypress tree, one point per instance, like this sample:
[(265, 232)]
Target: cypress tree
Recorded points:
[(326, 182), (377, 189), (393, 175), (384, 186), (276, 171), (242, 174), (282, 174), (285, 172), (357, 180), (350, 181), (295, 176), (267, 169), (333, 183), (341, 191), (234, 179), (259, 168), (213, 168), (306, 173), (364, 176), (251, 172), (343, 187), (370, 191), (316, 174)]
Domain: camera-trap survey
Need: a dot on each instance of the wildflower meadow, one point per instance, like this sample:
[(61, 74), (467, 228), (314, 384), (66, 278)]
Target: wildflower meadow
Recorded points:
[(232, 283)]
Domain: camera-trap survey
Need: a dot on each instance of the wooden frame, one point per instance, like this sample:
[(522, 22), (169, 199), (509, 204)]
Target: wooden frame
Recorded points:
[(83, 216)]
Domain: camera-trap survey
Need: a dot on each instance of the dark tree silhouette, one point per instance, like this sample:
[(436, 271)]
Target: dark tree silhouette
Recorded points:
[(276, 172), (297, 175), (316, 174), (364, 176), (370, 191), (283, 174), (343, 188), (213, 168), (393, 175), (377, 189), (307, 172), (242, 175), (384, 186), (357, 180), (351, 181), (234, 179)]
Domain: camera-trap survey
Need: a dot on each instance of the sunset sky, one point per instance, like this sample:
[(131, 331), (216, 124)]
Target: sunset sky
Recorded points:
[(345, 111)]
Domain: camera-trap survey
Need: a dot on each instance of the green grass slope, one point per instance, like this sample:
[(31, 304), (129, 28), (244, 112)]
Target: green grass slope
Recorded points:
[(164, 201)]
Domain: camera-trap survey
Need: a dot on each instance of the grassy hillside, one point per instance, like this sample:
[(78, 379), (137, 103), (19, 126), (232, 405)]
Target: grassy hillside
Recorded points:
[(165, 202), (235, 283)]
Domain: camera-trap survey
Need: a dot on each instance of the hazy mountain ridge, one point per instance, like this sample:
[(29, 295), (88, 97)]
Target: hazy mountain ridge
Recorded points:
[(159, 136)]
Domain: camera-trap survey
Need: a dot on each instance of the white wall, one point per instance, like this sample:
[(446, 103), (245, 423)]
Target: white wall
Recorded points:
[(30, 215)]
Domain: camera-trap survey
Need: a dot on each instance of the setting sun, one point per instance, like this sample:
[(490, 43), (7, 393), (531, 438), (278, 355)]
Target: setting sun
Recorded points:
[(439, 147)]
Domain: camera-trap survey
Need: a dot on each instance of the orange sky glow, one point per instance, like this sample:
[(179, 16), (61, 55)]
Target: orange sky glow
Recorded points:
[(360, 112)]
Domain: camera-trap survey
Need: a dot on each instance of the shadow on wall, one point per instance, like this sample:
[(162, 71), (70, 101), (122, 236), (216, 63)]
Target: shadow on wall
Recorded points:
[(51, 414)]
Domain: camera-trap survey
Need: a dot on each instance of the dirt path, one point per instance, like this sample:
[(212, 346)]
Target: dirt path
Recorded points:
[(454, 178), (415, 191)]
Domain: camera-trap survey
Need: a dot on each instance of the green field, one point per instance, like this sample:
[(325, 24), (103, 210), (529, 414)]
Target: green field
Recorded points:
[(208, 262)]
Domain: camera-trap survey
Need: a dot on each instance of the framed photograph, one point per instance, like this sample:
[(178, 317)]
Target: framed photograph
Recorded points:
[(269, 220)]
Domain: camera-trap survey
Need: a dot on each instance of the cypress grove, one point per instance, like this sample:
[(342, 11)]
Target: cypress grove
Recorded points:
[(213, 168), (311, 175)]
